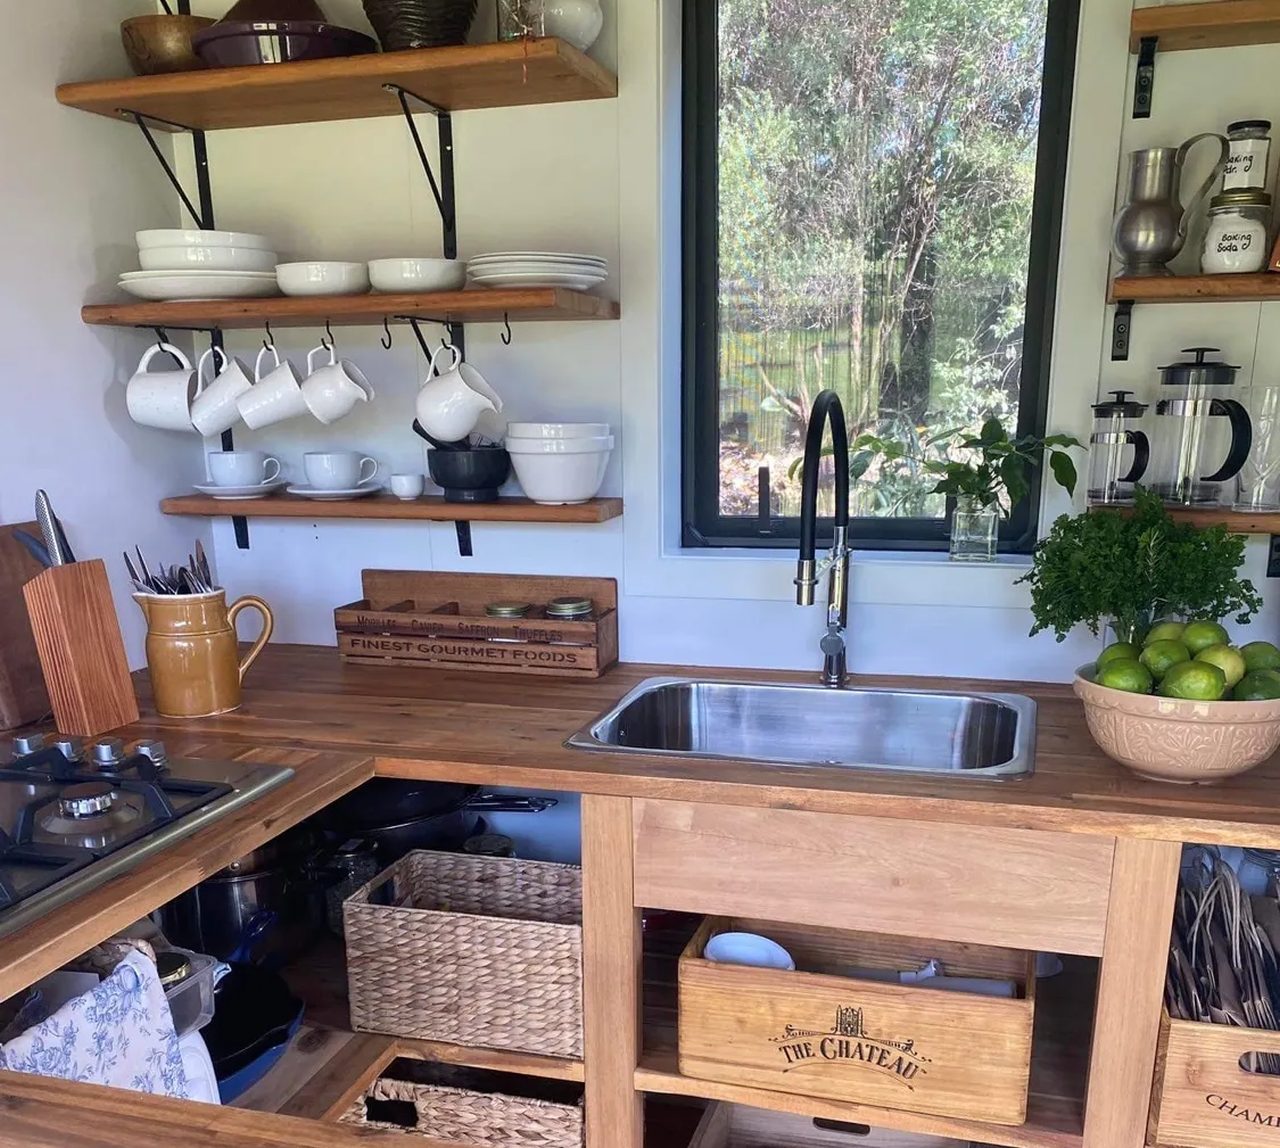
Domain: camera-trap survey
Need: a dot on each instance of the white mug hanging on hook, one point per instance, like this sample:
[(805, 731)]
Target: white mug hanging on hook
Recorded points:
[(451, 403), (215, 409), (162, 399), (332, 391), (274, 397)]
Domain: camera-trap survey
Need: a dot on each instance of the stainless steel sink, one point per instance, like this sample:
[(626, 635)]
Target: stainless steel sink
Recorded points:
[(966, 735)]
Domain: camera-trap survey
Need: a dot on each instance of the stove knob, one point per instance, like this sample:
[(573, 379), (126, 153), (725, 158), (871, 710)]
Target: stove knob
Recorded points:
[(107, 753), (29, 743), (72, 748), (85, 800), (154, 752)]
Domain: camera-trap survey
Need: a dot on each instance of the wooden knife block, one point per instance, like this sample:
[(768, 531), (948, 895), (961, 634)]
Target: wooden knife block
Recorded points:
[(77, 633)]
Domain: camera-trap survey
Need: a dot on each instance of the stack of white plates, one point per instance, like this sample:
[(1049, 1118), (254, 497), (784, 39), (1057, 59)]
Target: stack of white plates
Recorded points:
[(537, 269), (178, 264)]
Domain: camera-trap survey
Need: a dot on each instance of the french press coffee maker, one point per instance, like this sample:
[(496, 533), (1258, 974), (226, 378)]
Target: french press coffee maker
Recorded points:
[(1118, 450), (1203, 435)]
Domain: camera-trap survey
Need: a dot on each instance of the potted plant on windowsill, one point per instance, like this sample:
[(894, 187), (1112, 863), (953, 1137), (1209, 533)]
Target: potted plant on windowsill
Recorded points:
[(993, 477)]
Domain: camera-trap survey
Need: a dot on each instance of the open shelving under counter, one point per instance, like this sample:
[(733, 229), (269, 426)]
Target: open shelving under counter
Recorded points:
[(478, 305), (503, 75), (388, 507)]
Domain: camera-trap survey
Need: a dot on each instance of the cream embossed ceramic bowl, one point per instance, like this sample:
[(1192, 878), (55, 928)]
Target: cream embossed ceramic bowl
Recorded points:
[(1167, 739)]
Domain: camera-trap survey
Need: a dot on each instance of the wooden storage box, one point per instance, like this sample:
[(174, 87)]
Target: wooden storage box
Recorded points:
[(1204, 1098), (820, 1032), (472, 1107), (483, 951), (417, 618)]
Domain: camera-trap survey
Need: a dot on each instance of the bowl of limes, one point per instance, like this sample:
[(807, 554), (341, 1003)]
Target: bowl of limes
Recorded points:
[(1186, 705)]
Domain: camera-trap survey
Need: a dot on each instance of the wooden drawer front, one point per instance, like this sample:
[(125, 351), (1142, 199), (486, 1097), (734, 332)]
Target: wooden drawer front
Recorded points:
[(811, 1033), (1204, 1099), (1012, 887)]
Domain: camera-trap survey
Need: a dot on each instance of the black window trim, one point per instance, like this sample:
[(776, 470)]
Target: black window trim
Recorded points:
[(702, 524)]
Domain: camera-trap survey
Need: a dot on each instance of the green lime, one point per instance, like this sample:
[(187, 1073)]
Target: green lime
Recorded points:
[(1118, 652), (1227, 658), (1258, 686), (1201, 635), (1164, 632), (1260, 656), (1161, 655), (1126, 674), (1194, 681)]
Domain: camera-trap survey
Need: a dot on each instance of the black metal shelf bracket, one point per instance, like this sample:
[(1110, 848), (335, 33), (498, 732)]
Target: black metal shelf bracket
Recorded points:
[(1121, 330), (200, 215), (1144, 83)]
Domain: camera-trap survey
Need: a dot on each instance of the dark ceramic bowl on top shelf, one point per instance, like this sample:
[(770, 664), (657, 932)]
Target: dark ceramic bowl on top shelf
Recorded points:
[(242, 43)]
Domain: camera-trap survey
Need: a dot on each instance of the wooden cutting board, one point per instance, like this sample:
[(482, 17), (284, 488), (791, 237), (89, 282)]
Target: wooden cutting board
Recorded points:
[(23, 697)]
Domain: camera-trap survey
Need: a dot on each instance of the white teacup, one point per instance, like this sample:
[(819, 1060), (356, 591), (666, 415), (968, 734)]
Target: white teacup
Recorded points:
[(338, 469), (331, 391), (162, 399), (215, 409), (273, 398), (407, 487), (242, 468)]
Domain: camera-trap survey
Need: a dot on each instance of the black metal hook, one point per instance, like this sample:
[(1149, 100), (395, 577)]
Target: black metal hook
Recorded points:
[(270, 341), (161, 336), (327, 343), (386, 326), (506, 335)]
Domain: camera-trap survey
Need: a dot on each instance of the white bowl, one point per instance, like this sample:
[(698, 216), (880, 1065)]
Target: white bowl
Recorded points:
[(592, 445), (561, 479), (748, 949), (206, 259), (179, 237), (323, 278), (557, 430), (417, 274), (164, 287)]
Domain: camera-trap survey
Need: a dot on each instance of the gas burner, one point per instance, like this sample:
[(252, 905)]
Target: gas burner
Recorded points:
[(88, 816), (85, 800)]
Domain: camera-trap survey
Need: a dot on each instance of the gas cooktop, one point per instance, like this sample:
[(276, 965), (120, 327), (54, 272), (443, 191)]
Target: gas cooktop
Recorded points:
[(73, 816)]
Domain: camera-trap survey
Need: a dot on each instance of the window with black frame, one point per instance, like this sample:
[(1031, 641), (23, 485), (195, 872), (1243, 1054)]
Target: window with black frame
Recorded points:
[(873, 194)]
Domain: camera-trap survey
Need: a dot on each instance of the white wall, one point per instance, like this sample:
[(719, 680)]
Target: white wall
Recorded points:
[(604, 177), (74, 189)]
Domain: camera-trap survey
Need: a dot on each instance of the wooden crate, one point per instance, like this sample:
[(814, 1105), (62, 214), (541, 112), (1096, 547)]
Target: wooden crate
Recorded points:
[(1203, 1098), (420, 618), (819, 1032)]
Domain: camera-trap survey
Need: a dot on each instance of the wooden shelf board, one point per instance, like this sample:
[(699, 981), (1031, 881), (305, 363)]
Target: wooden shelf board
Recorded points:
[(478, 305), (1216, 24), (387, 506), (1252, 288), (512, 74), (1236, 521)]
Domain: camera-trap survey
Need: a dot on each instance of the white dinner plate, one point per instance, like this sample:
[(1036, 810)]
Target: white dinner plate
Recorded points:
[(515, 279), (539, 269), (240, 493), (539, 256), (333, 495), (188, 285), (194, 273)]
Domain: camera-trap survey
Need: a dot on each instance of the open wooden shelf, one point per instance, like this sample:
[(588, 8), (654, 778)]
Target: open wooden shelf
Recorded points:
[(387, 506), (1236, 521), (513, 74), (478, 305), (1216, 24), (1260, 287)]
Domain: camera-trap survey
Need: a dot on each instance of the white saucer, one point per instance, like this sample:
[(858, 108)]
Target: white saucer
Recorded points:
[(241, 493), (333, 495)]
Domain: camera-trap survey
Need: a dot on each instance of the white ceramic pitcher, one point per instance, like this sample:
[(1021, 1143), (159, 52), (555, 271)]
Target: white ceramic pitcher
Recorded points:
[(450, 403)]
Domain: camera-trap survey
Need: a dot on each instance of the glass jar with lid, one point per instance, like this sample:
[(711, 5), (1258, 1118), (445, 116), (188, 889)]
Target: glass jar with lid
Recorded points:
[(1236, 239), (1248, 156)]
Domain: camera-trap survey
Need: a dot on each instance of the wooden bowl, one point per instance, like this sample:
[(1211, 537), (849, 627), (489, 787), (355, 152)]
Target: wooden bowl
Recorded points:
[(1167, 739), (158, 44)]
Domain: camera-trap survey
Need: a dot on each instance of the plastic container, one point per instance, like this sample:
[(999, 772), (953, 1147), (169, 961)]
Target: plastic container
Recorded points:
[(191, 997)]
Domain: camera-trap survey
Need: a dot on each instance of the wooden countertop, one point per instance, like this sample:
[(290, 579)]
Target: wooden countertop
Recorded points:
[(497, 729)]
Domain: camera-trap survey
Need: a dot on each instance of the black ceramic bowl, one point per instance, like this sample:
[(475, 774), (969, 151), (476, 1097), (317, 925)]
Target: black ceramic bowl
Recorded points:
[(234, 44), (470, 475)]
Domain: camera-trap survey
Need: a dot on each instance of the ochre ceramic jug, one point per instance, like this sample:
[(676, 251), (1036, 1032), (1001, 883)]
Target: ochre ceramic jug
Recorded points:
[(193, 653)]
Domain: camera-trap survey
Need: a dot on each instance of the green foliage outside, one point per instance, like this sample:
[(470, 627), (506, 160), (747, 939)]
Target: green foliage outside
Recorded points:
[(877, 164)]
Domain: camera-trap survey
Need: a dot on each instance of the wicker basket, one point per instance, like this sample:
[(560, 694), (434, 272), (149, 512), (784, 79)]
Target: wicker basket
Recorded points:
[(484, 951), (404, 24), (460, 1106)]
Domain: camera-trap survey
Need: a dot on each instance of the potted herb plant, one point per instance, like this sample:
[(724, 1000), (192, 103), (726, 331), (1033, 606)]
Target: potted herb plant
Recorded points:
[(994, 465), (1130, 568)]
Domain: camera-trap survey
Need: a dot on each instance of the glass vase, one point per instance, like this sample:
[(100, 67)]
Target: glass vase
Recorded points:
[(520, 19), (973, 530)]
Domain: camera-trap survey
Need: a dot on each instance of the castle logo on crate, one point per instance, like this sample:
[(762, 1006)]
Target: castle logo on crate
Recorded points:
[(1241, 1111), (848, 1041)]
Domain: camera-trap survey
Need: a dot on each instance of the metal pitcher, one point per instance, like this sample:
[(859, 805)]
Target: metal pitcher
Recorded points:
[(1152, 226)]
